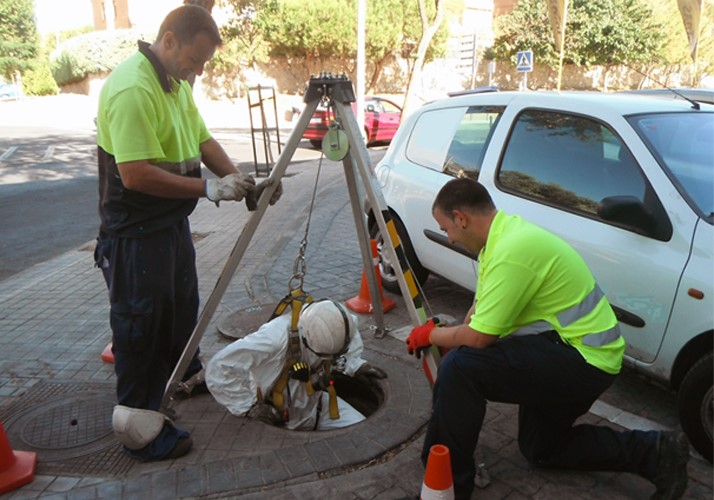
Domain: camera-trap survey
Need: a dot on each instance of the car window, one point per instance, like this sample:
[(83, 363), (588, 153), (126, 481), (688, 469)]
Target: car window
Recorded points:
[(467, 148), (374, 106), (389, 107), (573, 162), (683, 143), (452, 140)]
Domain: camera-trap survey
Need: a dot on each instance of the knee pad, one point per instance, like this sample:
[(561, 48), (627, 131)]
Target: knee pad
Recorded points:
[(135, 428)]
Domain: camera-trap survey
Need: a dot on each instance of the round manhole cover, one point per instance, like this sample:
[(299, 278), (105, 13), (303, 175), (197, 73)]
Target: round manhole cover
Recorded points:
[(68, 427)]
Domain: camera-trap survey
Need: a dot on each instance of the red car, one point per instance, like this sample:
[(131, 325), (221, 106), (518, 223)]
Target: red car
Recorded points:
[(381, 120)]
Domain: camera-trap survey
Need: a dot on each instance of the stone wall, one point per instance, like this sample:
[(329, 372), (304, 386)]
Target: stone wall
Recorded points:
[(438, 78)]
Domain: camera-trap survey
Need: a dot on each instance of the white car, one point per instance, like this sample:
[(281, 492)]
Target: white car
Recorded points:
[(627, 180)]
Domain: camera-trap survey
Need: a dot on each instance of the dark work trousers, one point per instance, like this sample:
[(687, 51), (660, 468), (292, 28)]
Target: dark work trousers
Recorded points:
[(153, 293), (553, 385)]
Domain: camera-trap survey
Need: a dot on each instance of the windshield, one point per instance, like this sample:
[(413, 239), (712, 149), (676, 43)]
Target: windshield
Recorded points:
[(684, 145)]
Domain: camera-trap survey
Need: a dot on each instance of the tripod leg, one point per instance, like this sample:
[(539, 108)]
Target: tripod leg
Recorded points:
[(365, 248), (407, 283), (174, 383)]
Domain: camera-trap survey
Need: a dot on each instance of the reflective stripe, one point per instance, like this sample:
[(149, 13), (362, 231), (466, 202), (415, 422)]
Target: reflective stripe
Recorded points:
[(532, 329), (182, 167), (602, 338), (585, 307)]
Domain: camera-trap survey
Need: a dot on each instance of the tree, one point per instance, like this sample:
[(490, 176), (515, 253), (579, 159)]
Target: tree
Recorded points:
[(598, 32), (19, 42), (675, 54), (322, 36), (244, 46), (431, 14), (613, 32), (384, 35), (527, 27)]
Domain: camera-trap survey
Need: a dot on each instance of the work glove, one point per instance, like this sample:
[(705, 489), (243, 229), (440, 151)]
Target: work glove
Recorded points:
[(231, 187), (276, 194), (251, 199), (418, 339), (299, 371)]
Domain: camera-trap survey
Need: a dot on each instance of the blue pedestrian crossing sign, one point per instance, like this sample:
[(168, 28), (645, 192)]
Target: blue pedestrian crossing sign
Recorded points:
[(524, 61)]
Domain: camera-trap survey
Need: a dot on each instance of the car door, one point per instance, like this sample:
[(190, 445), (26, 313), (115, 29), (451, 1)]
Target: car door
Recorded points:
[(555, 169), (444, 143), (386, 120)]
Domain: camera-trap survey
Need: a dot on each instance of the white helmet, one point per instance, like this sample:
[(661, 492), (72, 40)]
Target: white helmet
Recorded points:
[(326, 328), (134, 427)]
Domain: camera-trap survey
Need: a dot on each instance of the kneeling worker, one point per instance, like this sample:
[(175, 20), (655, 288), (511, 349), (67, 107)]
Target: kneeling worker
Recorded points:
[(528, 276), (259, 376)]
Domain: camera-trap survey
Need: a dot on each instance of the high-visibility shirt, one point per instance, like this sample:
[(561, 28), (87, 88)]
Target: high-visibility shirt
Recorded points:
[(529, 276), (144, 114)]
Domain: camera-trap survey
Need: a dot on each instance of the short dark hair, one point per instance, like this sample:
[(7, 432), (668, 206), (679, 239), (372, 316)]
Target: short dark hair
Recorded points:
[(463, 194), (188, 21)]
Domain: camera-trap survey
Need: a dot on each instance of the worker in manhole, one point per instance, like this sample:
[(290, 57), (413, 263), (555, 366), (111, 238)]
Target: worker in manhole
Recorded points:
[(284, 377)]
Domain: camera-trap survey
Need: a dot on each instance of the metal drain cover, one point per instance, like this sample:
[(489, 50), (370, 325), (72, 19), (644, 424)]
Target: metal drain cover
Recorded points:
[(69, 426)]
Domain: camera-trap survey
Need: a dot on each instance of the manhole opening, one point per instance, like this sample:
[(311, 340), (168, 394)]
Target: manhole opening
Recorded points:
[(363, 396)]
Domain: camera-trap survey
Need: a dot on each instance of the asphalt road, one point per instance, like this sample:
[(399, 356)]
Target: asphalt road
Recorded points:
[(48, 195), (48, 188)]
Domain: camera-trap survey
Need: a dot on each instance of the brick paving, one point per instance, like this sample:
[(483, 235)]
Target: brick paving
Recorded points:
[(54, 325)]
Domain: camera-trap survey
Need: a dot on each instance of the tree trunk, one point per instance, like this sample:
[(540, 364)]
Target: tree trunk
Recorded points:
[(428, 31)]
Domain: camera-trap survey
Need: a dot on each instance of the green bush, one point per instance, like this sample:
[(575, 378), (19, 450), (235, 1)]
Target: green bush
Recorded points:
[(96, 52), (39, 81)]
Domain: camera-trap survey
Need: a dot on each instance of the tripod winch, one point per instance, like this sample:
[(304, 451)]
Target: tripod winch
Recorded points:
[(343, 142)]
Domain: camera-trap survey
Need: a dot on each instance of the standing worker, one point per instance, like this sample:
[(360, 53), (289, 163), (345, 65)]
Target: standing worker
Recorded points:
[(151, 142), (528, 277)]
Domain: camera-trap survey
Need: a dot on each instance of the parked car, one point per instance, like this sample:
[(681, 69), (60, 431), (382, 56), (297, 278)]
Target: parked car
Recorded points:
[(381, 120), (627, 180), (9, 91)]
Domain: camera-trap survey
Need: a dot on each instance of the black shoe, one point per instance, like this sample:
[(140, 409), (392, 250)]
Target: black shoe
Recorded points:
[(671, 478), (183, 446)]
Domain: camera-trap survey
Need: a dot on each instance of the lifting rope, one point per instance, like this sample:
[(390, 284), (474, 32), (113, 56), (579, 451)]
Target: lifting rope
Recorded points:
[(296, 299)]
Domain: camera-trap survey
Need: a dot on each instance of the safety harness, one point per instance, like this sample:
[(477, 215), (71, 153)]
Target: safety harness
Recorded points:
[(294, 367)]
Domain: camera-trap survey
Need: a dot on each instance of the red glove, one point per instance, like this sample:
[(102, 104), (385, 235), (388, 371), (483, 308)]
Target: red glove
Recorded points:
[(418, 340)]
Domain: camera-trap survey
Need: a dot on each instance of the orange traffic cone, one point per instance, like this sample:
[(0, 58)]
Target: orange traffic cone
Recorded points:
[(438, 483), (17, 468), (362, 303), (107, 354)]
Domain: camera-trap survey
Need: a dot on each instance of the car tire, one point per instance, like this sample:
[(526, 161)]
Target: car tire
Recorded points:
[(386, 269), (316, 143), (695, 403)]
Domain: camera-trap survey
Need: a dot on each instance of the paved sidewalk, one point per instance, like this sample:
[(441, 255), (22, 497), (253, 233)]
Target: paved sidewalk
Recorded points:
[(56, 395)]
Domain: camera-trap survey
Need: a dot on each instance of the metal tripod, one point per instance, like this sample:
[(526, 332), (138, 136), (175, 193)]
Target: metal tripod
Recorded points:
[(339, 92)]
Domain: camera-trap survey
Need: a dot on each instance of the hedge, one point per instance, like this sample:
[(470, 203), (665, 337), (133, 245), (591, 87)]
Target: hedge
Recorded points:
[(96, 52)]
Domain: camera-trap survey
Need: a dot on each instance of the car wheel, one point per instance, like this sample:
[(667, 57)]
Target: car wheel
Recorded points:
[(696, 405), (316, 143), (387, 268)]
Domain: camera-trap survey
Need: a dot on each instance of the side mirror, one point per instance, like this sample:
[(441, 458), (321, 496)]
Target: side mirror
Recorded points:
[(628, 210), (370, 108)]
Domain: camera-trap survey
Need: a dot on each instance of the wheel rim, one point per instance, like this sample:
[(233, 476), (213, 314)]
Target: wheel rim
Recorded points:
[(707, 412), (386, 269)]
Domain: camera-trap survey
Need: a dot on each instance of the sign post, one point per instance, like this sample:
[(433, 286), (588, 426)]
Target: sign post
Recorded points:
[(524, 64)]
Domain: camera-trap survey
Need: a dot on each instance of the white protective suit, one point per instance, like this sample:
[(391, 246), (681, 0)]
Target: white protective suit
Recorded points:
[(254, 362)]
